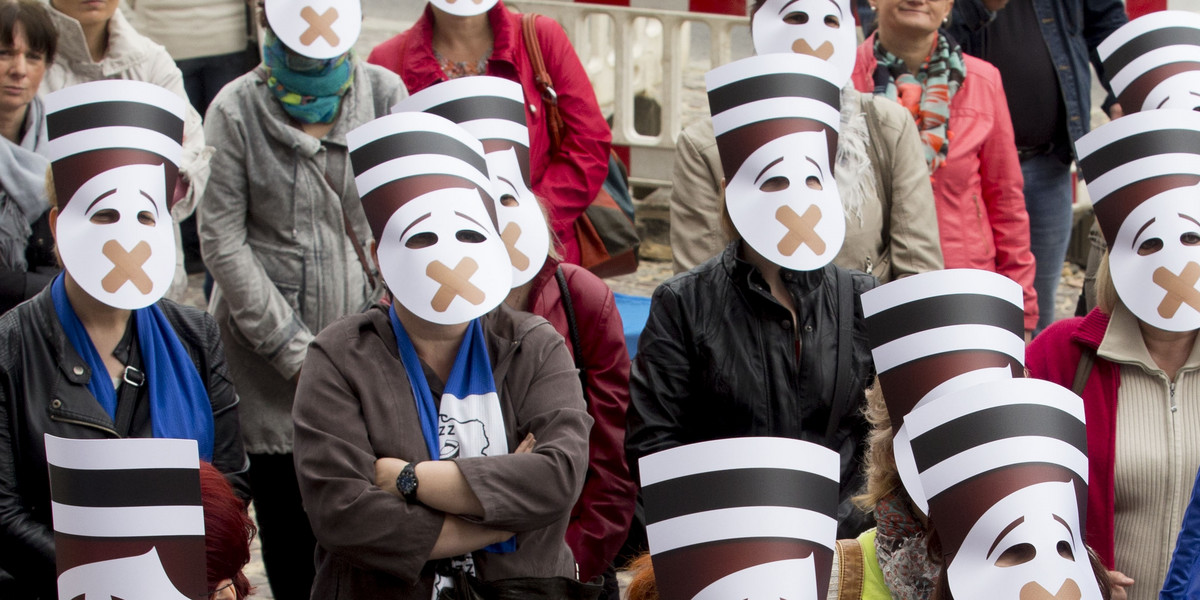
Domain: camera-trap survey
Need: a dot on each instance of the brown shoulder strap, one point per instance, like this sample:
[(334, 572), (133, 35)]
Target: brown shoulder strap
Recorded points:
[(850, 569), (1083, 370), (542, 78)]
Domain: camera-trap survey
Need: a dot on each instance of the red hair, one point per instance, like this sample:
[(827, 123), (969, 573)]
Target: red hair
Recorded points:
[(227, 531)]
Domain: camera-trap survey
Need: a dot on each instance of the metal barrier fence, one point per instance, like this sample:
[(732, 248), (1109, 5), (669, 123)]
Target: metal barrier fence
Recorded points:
[(621, 39)]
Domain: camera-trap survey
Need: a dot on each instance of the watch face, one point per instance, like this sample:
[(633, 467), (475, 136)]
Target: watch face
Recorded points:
[(407, 481)]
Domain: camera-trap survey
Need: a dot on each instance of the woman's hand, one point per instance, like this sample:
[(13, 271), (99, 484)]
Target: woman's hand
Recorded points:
[(1120, 581), (526, 444)]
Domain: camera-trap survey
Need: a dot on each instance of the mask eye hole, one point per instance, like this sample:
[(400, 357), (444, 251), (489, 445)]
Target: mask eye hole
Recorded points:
[(1017, 555), (145, 217), (107, 216), (1149, 247), (1190, 238), (467, 236), (813, 183), (832, 22), (796, 18), (777, 183), (1065, 551), (509, 200), (421, 240)]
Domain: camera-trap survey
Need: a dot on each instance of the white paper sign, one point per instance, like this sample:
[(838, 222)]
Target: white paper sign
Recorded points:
[(784, 202), (442, 258), (464, 8), (117, 239), (522, 224), (316, 28), (1155, 260), (821, 28)]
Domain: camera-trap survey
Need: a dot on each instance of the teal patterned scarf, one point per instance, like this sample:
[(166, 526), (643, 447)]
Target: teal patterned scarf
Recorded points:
[(927, 94), (309, 89)]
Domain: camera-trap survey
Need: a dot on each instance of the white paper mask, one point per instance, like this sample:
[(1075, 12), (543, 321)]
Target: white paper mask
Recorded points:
[(820, 28), (794, 579), (116, 237), (464, 8), (316, 28), (784, 202), (1028, 546), (442, 258), (1155, 260), (1180, 91), (522, 224), (131, 578)]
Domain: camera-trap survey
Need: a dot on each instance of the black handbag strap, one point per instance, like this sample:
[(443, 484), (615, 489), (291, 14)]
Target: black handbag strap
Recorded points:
[(845, 343), (572, 328)]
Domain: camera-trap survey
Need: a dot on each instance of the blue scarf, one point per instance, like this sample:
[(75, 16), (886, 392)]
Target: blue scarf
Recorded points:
[(179, 404), (470, 376), (310, 90)]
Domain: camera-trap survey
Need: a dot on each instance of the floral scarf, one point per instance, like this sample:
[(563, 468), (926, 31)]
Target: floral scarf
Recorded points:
[(310, 90), (900, 545), (927, 94)]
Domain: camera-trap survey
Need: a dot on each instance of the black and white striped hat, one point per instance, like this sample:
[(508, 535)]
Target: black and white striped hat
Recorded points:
[(722, 510), (492, 109), (133, 499), (98, 126), (758, 99), (1146, 51), (966, 432), (403, 156), (1137, 157)]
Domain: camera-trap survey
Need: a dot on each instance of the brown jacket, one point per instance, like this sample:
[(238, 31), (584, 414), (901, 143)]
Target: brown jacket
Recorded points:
[(354, 404), (891, 230)]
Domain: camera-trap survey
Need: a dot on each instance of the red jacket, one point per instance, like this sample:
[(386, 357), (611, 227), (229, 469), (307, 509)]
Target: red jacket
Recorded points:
[(1054, 356), (569, 180), (600, 519), (980, 203)]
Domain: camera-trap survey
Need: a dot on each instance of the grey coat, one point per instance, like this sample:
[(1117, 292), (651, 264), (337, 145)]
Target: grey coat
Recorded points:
[(273, 236)]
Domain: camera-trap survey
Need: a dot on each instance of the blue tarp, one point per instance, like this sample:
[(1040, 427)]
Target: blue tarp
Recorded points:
[(634, 312)]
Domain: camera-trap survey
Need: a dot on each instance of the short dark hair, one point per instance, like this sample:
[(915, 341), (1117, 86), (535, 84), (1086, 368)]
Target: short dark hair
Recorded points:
[(34, 19), (755, 5)]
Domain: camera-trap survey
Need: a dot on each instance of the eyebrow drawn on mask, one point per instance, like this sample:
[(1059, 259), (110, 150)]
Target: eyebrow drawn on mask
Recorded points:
[(507, 182), (1004, 532), (414, 223), (814, 163), (1139, 231), (152, 202), (835, 5), (477, 223), (1183, 216), (101, 197), (767, 168)]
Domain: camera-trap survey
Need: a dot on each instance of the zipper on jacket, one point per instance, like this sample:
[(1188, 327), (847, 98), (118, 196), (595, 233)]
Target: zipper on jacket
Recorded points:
[(85, 424)]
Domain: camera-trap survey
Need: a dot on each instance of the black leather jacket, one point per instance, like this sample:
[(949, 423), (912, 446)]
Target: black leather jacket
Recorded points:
[(718, 359), (43, 389)]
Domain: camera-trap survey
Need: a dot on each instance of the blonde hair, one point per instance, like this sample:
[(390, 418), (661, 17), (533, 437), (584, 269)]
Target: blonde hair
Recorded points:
[(1106, 293), (880, 467)]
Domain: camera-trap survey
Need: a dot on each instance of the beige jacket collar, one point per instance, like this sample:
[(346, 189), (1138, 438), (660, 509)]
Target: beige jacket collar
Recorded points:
[(125, 47)]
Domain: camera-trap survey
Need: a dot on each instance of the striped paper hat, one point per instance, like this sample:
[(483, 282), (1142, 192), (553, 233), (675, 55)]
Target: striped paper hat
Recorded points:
[(98, 126), (492, 109), (1137, 157), (741, 517), (1147, 51), (966, 432), (758, 99), (128, 519), (403, 156)]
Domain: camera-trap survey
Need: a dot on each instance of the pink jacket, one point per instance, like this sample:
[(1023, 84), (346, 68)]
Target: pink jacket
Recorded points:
[(980, 203), (567, 181), (1054, 356)]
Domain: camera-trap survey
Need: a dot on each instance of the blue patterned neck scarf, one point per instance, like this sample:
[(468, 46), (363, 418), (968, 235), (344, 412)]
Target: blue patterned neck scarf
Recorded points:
[(309, 89)]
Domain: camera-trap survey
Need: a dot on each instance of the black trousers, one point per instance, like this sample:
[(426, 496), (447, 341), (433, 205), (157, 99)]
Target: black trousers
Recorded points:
[(287, 539)]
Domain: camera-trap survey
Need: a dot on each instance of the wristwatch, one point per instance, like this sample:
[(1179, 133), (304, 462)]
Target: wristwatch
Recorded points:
[(406, 482)]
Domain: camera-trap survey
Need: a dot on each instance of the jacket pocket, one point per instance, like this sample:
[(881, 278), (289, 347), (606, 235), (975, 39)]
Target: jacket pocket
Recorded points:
[(285, 269)]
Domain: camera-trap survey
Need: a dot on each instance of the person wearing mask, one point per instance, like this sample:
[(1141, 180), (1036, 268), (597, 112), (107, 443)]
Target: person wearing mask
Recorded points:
[(452, 40), (284, 236), (891, 221)]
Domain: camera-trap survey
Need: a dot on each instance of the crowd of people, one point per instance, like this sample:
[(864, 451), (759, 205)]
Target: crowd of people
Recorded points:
[(853, 387)]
